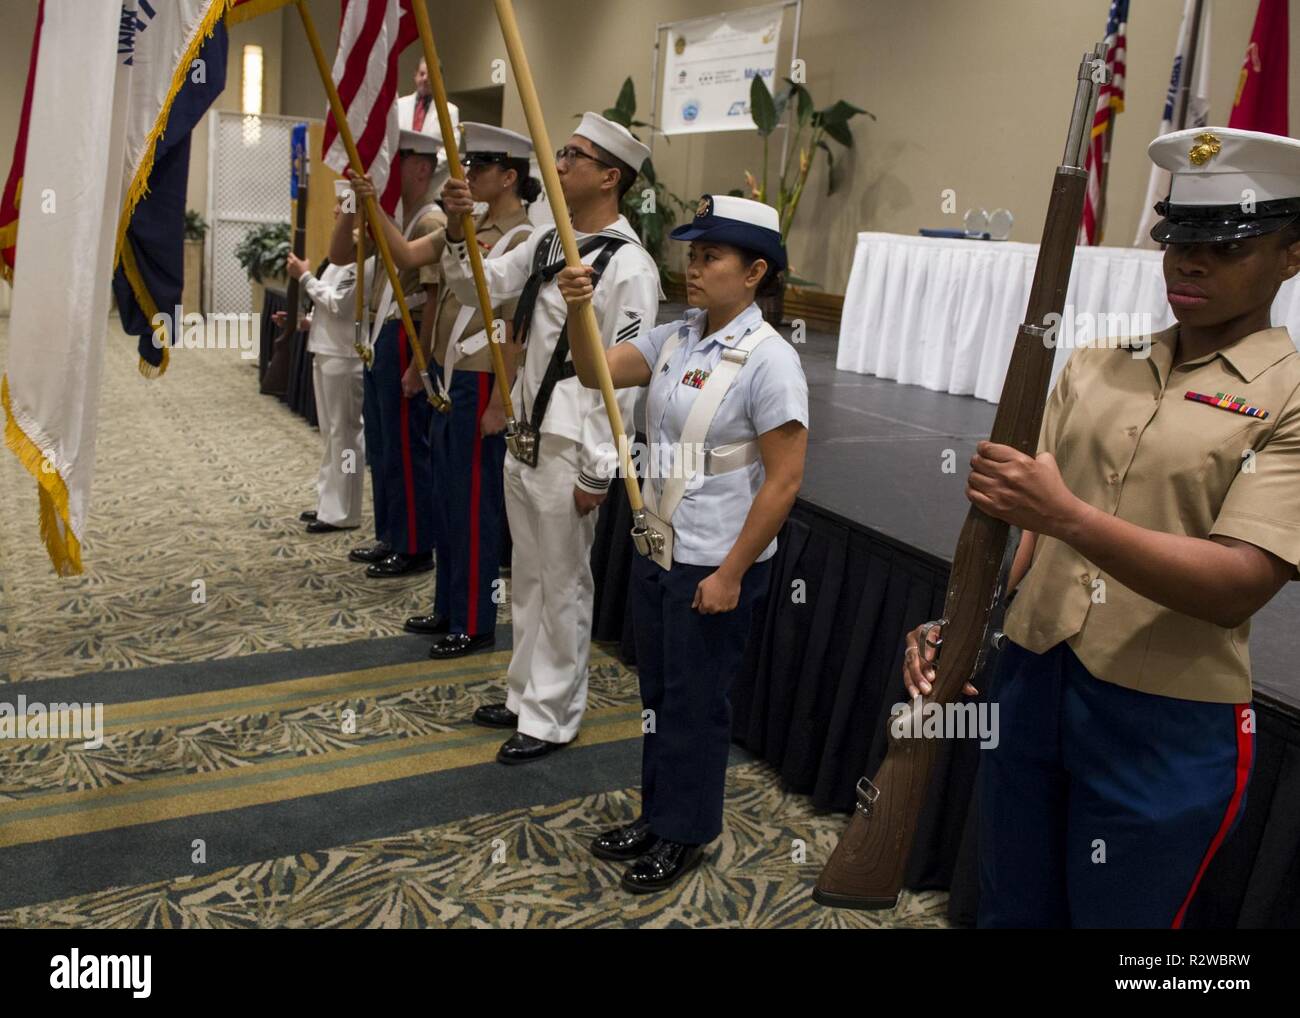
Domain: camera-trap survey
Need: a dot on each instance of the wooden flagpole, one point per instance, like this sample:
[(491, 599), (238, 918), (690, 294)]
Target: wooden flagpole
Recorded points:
[(373, 212), (467, 220), (582, 315)]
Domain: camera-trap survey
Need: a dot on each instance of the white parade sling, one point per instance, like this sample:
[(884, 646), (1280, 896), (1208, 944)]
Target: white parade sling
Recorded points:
[(657, 539), (413, 301), (470, 345)]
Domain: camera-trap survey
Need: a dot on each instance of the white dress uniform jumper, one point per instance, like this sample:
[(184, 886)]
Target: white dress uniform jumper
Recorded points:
[(551, 580)]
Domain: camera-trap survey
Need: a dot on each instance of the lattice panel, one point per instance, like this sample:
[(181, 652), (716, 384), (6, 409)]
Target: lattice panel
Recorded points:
[(250, 185)]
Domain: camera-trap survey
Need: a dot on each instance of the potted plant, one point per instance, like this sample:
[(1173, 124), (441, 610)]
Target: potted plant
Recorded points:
[(811, 131), (652, 219), (195, 232), (262, 254)]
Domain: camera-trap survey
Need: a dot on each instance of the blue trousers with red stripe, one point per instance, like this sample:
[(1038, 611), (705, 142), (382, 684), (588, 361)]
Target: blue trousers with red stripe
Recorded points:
[(397, 447), (1101, 806), (470, 508)]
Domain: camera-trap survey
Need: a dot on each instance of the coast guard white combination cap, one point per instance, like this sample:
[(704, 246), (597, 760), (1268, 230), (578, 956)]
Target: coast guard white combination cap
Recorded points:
[(1225, 184), (741, 222), (613, 138)]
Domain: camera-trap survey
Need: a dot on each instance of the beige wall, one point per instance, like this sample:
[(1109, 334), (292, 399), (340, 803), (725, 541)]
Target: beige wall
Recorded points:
[(970, 95)]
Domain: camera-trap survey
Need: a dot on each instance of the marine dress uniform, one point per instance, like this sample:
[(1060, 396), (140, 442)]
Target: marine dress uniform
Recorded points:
[(468, 466), (552, 589), (1126, 737), (687, 660), (397, 428)]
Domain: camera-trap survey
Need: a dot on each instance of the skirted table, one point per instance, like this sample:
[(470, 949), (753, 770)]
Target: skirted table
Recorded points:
[(943, 313)]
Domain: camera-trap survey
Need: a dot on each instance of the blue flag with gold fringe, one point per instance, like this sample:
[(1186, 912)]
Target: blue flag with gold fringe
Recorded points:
[(149, 276)]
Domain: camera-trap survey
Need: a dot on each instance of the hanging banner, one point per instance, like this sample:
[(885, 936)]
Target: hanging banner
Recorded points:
[(710, 65)]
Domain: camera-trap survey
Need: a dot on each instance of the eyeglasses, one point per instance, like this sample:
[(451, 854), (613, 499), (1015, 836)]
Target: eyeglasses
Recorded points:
[(569, 153)]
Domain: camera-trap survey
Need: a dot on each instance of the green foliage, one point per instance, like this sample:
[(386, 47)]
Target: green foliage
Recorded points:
[(264, 250), (809, 129), (196, 228)]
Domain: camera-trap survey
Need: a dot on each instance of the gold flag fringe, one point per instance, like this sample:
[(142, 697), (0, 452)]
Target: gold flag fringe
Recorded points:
[(56, 526)]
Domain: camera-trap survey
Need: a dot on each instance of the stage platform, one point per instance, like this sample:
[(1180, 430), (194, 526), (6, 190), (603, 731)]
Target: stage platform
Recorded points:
[(876, 456)]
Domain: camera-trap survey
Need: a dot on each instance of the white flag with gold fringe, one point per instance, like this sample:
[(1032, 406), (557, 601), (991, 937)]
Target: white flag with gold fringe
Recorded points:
[(67, 227)]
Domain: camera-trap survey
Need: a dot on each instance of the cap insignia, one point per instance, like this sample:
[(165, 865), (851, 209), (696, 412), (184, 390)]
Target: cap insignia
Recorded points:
[(1205, 146), (704, 208)]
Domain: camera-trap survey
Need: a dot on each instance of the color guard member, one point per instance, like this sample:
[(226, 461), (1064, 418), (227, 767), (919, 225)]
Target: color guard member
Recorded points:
[(1161, 513), (727, 423)]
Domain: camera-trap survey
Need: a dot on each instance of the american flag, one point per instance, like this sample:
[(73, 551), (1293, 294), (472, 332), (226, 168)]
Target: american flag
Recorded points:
[(1110, 102), (371, 35)]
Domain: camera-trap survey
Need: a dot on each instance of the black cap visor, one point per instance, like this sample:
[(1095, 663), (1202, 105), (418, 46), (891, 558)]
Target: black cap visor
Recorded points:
[(764, 243), (1211, 224)]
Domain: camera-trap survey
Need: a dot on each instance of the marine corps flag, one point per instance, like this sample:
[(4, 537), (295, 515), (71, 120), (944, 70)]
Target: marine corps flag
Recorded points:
[(67, 228), (178, 60), (1260, 103)]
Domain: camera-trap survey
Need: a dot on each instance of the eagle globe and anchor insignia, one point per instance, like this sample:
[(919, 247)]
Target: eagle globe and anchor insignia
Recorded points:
[(1204, 147)]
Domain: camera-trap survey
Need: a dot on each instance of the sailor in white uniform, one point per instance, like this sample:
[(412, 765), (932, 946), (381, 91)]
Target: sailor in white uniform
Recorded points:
[(336, 377), (551, 501), (727, 425)]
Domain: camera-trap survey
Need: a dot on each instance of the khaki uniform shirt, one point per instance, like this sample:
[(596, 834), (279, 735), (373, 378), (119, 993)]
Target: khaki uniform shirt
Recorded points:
[(1129, 442), (415, 280), (488, 231)]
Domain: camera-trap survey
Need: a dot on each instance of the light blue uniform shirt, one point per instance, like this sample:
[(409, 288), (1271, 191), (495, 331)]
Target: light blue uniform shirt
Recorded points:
[(767, 392)]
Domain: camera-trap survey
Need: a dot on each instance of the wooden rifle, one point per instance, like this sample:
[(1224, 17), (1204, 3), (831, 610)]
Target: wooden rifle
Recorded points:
[(866, 869)]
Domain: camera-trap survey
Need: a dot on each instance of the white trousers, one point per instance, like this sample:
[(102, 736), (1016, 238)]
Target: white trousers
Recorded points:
[(340, 486), (551, 592)]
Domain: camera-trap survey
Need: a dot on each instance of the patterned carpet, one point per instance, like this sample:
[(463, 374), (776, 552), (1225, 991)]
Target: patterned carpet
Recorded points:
[(326, 766)]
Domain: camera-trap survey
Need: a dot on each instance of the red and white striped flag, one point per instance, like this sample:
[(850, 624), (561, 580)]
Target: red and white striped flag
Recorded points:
[(1110, 102), (371, 35)]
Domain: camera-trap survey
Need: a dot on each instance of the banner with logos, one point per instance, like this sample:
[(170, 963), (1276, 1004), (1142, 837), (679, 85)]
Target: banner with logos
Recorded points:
[(710, 66)]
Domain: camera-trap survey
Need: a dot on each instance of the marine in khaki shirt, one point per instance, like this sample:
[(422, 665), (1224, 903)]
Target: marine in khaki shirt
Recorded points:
[(489, 229), (1128, 442), (1161, 512)]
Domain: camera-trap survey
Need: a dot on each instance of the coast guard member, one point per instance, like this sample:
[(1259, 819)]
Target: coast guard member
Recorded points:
[(722, 381), (1162, 512), (468, 446), (551, 501), (396, 412), (336, 374)]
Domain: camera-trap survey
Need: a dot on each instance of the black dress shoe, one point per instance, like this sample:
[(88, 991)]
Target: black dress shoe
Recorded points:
[(662, 866), (371, 552), (432, 624), (521, 748), (624, 842), (321, 527), (496, 715), (460, 644), (399, 564), (307, 515)]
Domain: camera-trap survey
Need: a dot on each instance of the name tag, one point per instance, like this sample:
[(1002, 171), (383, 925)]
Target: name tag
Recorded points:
[(1227, 401), (695, 378)]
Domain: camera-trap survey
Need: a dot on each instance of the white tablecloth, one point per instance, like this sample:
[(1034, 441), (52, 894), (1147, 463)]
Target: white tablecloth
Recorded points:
[(944, 313)]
